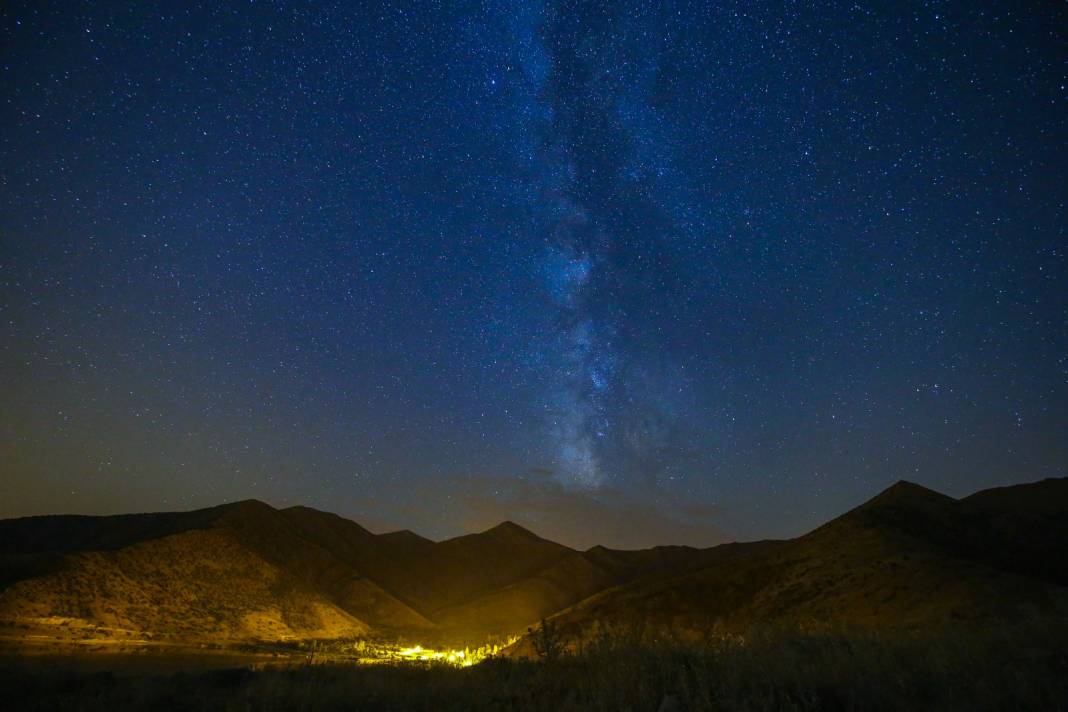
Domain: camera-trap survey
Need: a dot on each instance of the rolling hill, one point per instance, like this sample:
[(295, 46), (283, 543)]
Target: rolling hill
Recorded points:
[(908, 557)]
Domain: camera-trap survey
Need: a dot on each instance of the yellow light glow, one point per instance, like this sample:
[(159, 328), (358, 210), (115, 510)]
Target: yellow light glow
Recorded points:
[(419, 653), (371, 653)]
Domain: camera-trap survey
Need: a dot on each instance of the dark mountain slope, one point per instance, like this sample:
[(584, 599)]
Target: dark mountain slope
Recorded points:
[(909, 557), (386, 562), (319, 556), (71, 532), (460, 569), (576, 577), (431, 576), (1027, 527), (562, 583), (406, 538), (1046, 498)]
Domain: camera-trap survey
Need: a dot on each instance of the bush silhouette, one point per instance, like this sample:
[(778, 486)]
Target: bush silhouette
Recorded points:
[(548, 643)]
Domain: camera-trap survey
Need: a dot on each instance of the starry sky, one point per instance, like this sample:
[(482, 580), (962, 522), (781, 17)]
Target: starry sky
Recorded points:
[(623, 272)]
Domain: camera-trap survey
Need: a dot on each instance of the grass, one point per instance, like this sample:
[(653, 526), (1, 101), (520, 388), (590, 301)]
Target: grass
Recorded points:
[(995, 669)]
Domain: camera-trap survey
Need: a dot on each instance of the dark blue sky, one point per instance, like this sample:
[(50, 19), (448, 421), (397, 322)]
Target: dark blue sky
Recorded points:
[(623, 272)]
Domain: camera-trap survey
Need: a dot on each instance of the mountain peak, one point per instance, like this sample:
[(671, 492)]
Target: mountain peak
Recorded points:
[(902, 486), (510, 528), (252, 504), (302, 508), (901, 502), (246, 510), (905, 493)]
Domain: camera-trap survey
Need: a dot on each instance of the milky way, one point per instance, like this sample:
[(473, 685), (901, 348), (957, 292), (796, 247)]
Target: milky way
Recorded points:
[(593, 150), (661, 271)]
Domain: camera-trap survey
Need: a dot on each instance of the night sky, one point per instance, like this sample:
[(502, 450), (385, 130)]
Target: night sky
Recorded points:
[(628, 273)]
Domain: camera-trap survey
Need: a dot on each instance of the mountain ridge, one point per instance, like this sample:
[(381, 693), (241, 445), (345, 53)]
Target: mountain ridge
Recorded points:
[(907, 556)]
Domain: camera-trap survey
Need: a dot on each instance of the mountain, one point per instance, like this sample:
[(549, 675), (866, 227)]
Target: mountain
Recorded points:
[(1027, 527), (432, 577), (236, 571), (1046, 498), (562, 583), (246, 570), (908, 557)]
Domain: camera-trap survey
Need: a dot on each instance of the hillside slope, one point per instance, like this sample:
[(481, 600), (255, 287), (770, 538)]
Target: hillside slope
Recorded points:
[(234, 571), (126, 572), (909, 557), (195, 585)]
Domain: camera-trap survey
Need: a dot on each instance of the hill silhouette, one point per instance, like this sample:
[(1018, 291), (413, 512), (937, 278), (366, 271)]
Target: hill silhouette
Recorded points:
[(908, 557)]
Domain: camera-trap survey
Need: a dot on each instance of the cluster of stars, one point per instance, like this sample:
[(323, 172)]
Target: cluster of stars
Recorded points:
[(772, 257)]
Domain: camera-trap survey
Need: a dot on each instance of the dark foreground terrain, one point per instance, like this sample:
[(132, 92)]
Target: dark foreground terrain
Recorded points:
[(1018, 668)]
